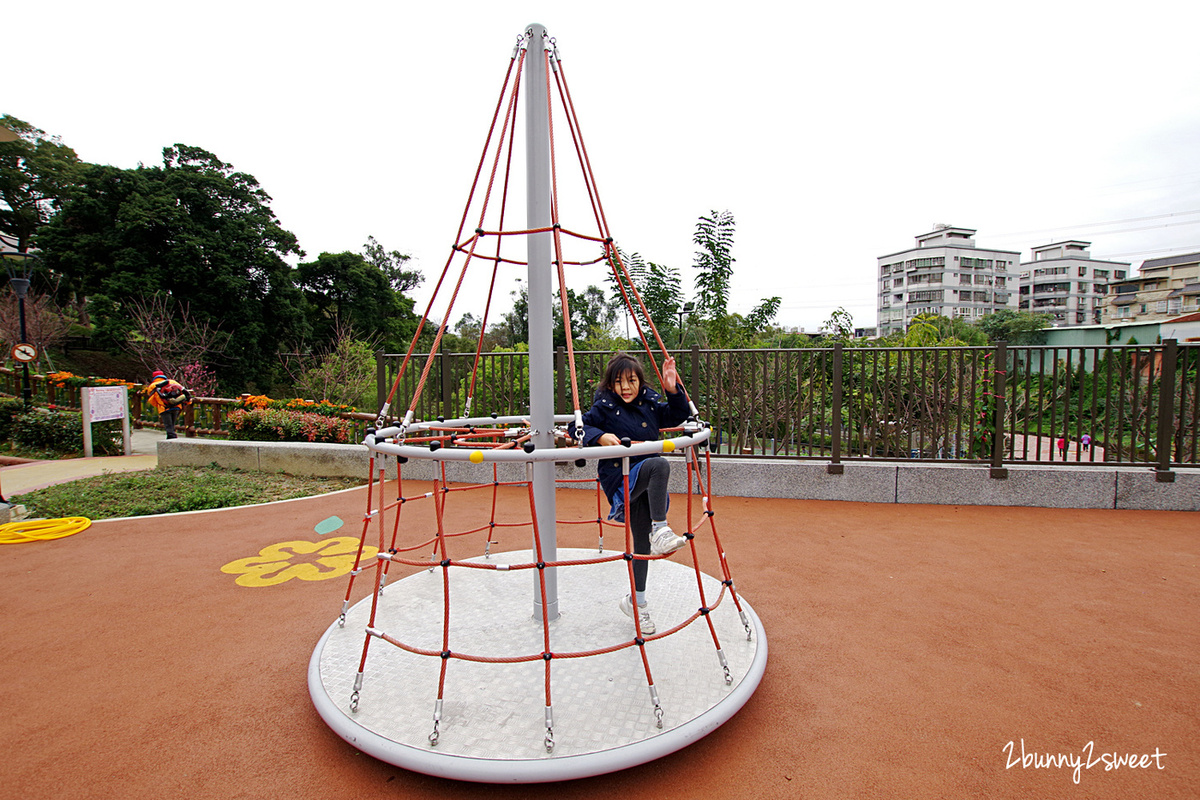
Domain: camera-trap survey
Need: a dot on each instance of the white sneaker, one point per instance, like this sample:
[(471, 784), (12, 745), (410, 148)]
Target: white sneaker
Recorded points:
[(643, 612), (664, 541)]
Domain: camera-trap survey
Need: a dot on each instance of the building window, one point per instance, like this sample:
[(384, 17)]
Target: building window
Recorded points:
[(918, 263)]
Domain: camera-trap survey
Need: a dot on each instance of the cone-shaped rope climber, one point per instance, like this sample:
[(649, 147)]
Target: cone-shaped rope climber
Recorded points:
[(458, 624)]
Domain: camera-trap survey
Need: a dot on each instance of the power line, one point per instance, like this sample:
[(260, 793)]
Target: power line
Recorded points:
[(1192, 248), (1101, 224)]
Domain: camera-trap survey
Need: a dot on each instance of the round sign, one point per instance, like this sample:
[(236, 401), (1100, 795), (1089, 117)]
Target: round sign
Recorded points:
[(24, 353)]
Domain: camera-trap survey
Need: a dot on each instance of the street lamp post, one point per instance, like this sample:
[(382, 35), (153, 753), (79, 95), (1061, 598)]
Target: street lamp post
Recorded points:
[(17, 265), (686, 309)]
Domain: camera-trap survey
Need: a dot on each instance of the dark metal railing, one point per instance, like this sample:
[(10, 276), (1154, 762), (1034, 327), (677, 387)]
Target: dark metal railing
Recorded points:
[(1133, 405)]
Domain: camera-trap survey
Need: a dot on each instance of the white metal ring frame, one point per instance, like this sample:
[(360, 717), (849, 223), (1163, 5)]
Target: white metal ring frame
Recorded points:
[(391, 441)]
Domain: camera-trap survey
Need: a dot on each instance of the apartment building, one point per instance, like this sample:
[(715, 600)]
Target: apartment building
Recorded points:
[(945, 274), (1064, 280), (1163, 288)]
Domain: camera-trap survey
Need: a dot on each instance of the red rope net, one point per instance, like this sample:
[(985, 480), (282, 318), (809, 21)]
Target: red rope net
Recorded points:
[(398, 545)]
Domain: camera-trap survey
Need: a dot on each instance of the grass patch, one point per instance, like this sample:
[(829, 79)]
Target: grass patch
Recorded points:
[(167, 490), (20, 451)]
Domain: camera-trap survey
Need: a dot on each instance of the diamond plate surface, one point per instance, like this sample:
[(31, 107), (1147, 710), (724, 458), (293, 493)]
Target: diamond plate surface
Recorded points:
[(497, 710)]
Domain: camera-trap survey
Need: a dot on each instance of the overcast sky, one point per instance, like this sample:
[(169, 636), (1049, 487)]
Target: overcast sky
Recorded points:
[(834, 133)]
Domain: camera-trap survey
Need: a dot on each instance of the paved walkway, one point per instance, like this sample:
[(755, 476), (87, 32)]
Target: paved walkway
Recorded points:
[(20, 478)]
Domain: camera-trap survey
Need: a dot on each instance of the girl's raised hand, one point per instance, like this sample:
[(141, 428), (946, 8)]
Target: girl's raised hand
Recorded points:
[(670, 375)]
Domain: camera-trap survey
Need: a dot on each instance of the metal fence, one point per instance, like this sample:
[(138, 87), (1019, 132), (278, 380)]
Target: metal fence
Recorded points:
[(1133, 405), (1118, 404)]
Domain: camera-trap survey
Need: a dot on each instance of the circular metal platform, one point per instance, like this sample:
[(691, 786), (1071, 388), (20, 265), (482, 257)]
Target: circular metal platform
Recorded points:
[(493, 718)]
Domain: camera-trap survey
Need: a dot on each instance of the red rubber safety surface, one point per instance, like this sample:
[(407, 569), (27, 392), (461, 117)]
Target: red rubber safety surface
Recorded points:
[(908, 646)]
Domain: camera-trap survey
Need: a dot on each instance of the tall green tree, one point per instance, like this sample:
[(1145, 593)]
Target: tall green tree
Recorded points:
[(344, 289), (36, 171), (660, 287), (394, 265), (195, 229), (592, 316), (1014, 327), (714, 260)]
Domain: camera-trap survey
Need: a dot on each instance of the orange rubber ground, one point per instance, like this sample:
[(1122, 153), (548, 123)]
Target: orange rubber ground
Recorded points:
[(908, 646)]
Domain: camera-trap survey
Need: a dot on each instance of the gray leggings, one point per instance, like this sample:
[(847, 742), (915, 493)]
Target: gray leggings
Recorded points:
[(647, 501)]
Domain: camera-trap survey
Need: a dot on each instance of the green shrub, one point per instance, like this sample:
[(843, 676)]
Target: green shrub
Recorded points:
[(10, 409), (280, 425), (62, 432)]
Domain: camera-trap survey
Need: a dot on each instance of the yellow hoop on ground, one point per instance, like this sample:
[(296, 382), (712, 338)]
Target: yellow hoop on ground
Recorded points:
[(42, 530)]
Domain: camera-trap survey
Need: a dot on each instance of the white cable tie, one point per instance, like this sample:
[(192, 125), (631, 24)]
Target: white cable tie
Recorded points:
[(502, 567)]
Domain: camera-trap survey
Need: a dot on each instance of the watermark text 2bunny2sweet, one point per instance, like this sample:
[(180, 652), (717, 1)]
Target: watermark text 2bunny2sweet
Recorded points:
[(1086, 758)]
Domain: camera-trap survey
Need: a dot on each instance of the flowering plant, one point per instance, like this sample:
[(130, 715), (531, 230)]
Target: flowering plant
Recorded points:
[(63, 379), (323, 408), (201, 380), (278, 424)]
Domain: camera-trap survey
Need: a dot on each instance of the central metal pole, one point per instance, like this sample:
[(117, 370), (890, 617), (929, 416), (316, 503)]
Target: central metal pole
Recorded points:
[(541, 318)]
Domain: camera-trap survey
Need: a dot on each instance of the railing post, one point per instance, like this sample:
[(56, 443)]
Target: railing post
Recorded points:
[(135, 409), (447, 398), (999, 381), (1166, 411), (560, 381), (835, 458), (380, 380), (694, 378)]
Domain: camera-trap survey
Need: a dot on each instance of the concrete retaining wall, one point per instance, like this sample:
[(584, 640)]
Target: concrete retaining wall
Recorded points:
[(940, 484)]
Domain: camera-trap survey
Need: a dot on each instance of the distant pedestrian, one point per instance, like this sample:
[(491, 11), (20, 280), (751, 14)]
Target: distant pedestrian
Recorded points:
[(1062, 447), (169, 397), (1086, 441)]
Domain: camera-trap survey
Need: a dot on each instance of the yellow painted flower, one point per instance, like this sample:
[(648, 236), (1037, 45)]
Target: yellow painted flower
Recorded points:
[(307, 561)]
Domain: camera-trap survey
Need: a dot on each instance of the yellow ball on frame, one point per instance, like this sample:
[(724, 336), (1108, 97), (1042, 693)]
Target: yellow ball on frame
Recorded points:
[(476, 457)]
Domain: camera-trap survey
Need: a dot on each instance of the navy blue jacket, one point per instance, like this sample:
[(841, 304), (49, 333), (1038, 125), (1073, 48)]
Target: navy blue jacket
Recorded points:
[(640, 421)]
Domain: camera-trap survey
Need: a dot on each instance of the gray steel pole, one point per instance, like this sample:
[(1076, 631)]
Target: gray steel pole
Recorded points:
[(541, 318)]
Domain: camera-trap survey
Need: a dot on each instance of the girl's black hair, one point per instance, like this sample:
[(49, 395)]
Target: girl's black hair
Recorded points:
[(620, 364)]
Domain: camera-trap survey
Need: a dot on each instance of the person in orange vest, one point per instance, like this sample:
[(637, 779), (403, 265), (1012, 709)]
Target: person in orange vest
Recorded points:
[(169, 397)]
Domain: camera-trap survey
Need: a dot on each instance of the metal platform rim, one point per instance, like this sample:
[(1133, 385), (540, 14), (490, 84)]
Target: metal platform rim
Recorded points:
[(536, 770)]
